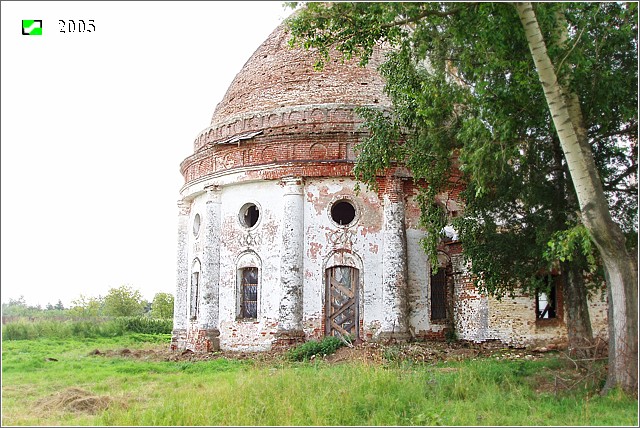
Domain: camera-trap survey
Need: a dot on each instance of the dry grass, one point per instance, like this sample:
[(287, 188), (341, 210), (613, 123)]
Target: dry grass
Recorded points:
[(77, 400)]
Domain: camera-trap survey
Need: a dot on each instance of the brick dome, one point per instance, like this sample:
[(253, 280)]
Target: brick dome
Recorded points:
[(279, 111), (278, 76)]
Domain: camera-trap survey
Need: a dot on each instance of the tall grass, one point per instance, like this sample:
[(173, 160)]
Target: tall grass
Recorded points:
[(84, 328), (233, 392)]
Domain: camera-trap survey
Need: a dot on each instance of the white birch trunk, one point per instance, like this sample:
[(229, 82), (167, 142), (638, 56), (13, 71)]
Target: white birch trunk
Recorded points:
[(621, 274)]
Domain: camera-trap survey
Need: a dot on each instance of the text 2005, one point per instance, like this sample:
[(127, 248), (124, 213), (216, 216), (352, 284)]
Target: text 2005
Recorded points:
[(77, 26)]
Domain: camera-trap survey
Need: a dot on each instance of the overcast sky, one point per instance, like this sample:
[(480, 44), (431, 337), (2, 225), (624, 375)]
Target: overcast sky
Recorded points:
[(94, 127)]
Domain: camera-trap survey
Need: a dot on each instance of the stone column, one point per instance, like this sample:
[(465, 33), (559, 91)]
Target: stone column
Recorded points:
[(209, 301), (291, 260), (179, 335), (394, 263)]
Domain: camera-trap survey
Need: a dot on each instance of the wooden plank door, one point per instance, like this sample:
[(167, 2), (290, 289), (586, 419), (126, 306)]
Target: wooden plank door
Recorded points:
[(341, 306)]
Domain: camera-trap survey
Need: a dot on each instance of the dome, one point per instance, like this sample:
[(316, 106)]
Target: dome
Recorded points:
[(278, 76), (278, 110)]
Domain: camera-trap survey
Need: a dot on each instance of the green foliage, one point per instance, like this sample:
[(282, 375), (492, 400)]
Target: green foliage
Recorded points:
[(19, 307), (162, 305), (327, 346), (565, 244), (468, 108), (451, 335), (43, 328), (85, 306), (150, 337), (57, 307), (24, 329), (123, 301), (146, 325)]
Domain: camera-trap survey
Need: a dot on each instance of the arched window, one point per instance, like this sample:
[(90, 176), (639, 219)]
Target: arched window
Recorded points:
[(439, 295), (248, 286), (194, 292), (249, 292)]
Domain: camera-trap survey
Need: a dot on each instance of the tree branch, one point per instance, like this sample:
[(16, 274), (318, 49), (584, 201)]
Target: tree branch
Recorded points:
[(611, 185), (420, 16)]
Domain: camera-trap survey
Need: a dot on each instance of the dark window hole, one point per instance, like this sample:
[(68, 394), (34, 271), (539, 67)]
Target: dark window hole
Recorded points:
[(343, 212)]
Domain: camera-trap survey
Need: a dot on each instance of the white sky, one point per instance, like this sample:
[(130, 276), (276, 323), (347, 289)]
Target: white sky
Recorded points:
[(94, 127)]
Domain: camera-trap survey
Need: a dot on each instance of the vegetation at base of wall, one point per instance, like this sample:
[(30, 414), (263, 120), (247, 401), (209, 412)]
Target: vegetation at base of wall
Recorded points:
[(124, 391), (24, 329), (327, 346)]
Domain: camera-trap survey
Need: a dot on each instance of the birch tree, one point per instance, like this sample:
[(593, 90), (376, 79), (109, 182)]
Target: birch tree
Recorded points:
[(621, 273), (471, 82)]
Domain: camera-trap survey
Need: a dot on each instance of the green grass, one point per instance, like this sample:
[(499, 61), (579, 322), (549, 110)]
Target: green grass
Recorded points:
[(241, 392), (25, 329)]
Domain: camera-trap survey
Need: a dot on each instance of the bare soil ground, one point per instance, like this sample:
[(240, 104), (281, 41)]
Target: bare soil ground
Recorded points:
[(427, 352)]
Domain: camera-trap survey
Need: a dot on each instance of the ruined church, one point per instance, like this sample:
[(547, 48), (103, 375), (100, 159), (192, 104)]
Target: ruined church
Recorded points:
[(275, 246)]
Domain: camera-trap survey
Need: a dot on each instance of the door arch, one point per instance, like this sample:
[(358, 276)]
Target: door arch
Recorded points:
[(342, 303)]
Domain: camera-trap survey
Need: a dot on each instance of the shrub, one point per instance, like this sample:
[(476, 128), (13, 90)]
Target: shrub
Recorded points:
[(146, 325), (328, 345), (17, 331)]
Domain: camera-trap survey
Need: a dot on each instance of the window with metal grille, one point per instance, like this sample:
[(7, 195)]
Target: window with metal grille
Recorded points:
[(249, 292), (439, 295), (194, 295)]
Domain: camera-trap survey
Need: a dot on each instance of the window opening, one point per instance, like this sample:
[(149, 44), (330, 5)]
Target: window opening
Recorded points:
[(546, 304), (343, 212), (439, 295), (194, 295), (196, 225), (249, 215), (249, 293)]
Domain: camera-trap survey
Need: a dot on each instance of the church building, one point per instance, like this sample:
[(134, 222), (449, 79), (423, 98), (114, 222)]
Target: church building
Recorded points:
[(276, 246)]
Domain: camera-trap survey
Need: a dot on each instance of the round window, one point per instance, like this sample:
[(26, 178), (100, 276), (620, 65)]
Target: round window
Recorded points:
[(249, 215), (196, 224), (343, 212)]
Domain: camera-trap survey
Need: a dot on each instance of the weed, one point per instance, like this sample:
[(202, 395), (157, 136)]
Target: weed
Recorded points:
[(450, 335), (327, 346)]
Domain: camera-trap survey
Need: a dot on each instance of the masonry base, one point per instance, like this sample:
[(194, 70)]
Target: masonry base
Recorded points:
[(288, 338), (393, 337), (178, 339)]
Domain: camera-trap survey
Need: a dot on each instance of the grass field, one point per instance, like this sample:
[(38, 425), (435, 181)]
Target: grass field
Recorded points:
[(61, 382)]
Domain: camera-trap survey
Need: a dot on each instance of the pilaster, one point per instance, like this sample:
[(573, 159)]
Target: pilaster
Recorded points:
[(394, 263), (182, 278), (291, 261)]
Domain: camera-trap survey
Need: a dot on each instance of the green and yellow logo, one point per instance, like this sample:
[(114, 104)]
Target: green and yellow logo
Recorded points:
[(32, 27)]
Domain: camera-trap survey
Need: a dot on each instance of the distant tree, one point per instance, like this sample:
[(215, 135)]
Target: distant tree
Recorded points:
[(162, 306), (15, 307), (85, 306), (123, 302), (59, 306)]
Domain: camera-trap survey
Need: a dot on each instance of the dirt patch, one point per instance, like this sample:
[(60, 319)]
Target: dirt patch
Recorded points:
[(76, 400), (365, 352), (368, 353)]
